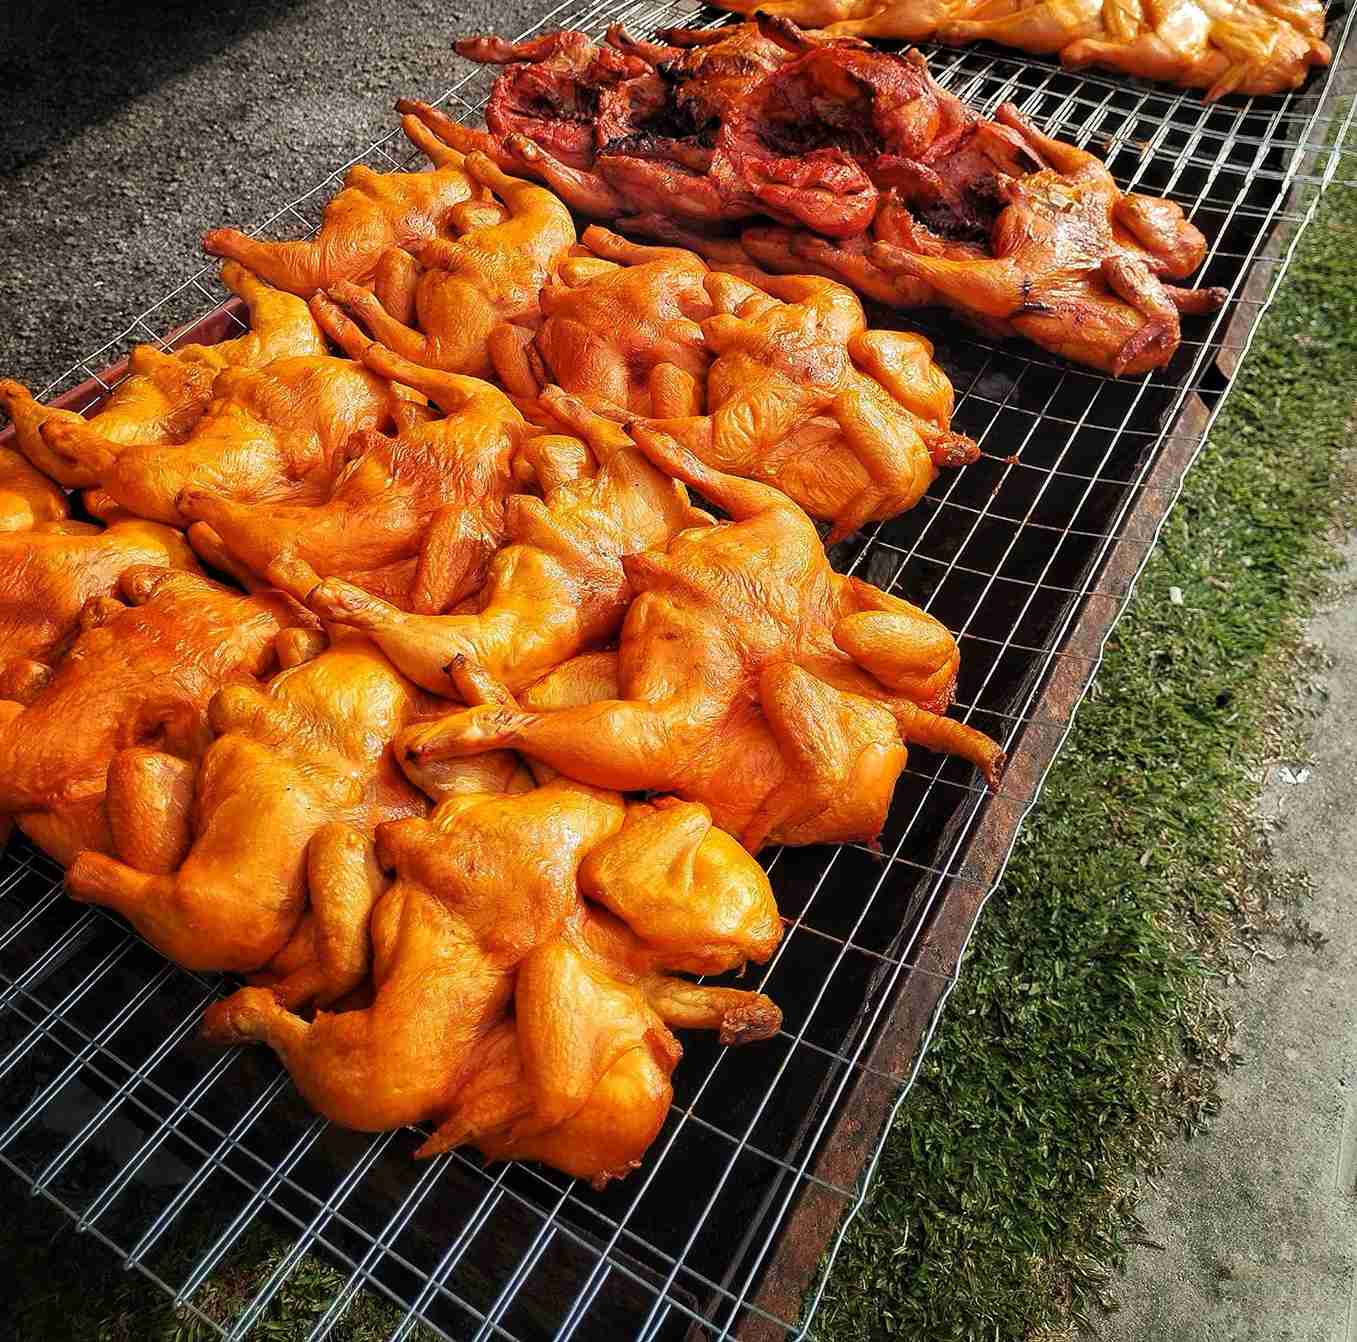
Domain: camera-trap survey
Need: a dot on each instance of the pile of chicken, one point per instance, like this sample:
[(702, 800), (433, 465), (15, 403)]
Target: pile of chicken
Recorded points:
[(1222, 46), (463, 758), (873, 174)]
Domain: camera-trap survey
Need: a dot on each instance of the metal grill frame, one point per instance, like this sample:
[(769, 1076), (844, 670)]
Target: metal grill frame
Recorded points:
[(852, 1048)]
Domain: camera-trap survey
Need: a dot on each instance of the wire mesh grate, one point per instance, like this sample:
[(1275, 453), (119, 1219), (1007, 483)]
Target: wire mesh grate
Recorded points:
[(174, 1155)]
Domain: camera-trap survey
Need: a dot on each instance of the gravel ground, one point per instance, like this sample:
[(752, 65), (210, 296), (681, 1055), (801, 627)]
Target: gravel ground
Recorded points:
[(130, 127)]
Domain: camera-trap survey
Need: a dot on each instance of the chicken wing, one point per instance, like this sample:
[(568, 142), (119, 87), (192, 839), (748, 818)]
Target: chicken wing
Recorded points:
[(560, 585), (164, 394), (414, 519), (1222, 46), (753, 679), (490, 274), (47, 576), (272, 434), (373, 213), (291, 762), (137, 674)]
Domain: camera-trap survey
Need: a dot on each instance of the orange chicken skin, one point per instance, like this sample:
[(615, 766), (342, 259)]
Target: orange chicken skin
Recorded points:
[(414, 519), (373, 213), (559, 586), (579, 1077), (164, 395), (137, 674), (293, 763), (619, 330), (753, 679), (48, 574), (272, 434), (478, 885), (28, 498), (851, 423), (491, 273), (1222, 46)]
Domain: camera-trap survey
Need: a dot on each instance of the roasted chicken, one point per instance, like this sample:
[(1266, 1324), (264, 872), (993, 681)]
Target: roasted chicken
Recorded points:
[(560, 585), (140, 673), (47, 576), (1222, 46), (28, 498), (414, 518), (486, 918), (373, 213), (850, 423), (292, 763), (753, 679), (164, 394), (634, 126), (491, 274), (280, 433), (878, 177)]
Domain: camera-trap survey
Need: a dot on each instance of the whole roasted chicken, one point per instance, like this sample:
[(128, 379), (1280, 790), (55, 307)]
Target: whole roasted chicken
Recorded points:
[(510, 1011), (753, 679), (375, 212), (50, 573), (873, 173), (559, 586), (414, 518), (292, 764), (272, 434), (164, 395), (1222, 46), (141, 672), (490, 274), (850, 423)]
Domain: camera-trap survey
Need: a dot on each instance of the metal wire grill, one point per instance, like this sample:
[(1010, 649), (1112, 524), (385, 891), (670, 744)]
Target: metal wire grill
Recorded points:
[(148, 1142)]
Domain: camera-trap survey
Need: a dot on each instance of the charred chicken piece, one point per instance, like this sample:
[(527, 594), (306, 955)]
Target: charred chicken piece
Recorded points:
[(137, 674), (1221, 46), (753, 679)]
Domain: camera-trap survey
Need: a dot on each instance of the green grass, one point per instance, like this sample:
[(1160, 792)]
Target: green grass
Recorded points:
[(1085, 1029)]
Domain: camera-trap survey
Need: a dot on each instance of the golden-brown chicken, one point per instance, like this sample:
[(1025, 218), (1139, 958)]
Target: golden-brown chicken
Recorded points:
[(413, 519), (559, 586), (48, 574), (138, 674), (1222, 46), (373, 213), (619, 330), (272, 434), (490, 274), (850, 423), (28, 498), (292, 760), (753, 679), (164, 395), (486, 913)]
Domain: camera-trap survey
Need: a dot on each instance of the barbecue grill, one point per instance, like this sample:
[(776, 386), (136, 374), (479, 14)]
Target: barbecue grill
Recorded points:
[(110, 1110)]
